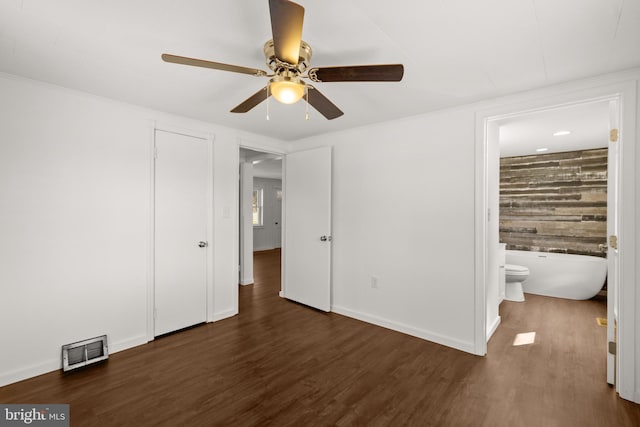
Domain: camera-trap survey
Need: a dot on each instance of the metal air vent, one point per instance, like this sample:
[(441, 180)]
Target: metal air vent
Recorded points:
[(82, 353)]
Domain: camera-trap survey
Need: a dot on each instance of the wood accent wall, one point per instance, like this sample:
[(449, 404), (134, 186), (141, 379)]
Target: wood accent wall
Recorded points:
[(555, 202)]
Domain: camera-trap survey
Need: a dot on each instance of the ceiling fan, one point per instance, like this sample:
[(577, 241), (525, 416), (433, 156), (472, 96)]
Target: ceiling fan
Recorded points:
[(288, 56)]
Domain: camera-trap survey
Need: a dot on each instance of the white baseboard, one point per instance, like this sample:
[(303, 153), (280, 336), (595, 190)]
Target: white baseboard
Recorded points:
[(223, 315), (246, 282), (265, 248), (493, 327), (127, 344), (29, 372), (54, 365), (405, 329)]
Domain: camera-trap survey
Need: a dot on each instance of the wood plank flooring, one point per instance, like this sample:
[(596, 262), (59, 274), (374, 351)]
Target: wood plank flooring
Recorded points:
[(280, 363)]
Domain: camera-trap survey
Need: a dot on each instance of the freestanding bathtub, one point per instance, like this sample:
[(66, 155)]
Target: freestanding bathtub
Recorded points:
[(561, 275)]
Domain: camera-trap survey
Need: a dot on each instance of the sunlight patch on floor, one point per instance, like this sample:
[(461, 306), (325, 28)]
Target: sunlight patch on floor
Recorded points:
[(525, 338)]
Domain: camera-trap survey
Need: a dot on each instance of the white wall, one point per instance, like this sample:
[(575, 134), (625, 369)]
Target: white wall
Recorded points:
[(403, 210), (74, 222), (269, 235)]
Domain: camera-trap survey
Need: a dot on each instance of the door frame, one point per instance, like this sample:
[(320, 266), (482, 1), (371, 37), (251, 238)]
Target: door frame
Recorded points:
[(626, 92), (249, 145), (209, 138)]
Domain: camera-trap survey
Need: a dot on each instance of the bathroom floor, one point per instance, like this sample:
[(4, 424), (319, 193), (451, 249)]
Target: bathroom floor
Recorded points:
[(563, 371)]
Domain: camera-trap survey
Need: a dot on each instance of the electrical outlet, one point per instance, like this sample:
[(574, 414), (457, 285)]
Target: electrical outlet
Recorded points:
[(374, 282)]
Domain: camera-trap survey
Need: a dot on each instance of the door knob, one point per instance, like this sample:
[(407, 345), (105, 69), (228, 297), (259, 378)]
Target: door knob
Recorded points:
[(202, 244)]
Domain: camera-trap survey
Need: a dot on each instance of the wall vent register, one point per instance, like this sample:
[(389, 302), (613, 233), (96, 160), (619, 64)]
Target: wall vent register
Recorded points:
[(83, 353)]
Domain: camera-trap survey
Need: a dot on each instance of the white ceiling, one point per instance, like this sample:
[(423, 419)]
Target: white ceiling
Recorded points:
[(265, 165), (588, 124), (454, 52)]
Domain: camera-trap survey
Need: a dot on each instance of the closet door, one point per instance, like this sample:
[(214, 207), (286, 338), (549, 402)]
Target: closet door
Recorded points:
[(180, 262)]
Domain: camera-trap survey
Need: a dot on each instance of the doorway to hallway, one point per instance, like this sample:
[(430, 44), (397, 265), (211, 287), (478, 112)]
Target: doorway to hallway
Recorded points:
[(260, 210)]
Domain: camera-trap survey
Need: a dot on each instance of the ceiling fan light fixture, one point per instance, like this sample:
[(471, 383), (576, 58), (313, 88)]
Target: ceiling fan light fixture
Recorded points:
[(289, 58), (287, 90)]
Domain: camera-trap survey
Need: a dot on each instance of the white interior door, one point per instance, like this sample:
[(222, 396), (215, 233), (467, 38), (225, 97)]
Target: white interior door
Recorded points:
[(612, 230), (307, 228), (180, 263)]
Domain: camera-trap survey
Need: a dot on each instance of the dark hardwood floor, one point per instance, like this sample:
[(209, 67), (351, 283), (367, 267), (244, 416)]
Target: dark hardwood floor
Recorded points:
[(280, 363)]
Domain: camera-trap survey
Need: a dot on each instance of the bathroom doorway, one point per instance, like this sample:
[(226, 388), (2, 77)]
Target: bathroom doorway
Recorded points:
[(488, 131)]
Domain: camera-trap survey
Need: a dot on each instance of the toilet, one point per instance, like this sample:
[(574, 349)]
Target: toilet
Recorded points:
[(514, 276)]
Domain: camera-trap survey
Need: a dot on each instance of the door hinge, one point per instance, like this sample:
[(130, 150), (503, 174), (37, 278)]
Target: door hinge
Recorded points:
[(155, 152), (613, 242), (613, 135), (612, 347)]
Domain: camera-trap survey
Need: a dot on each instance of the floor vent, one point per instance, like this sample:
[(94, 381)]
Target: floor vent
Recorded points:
[(82, 353)]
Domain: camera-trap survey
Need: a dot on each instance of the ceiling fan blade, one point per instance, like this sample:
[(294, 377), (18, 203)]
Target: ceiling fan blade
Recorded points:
[(358, 73), (286, 26), (322, 104), (252, 101), (209, 64)]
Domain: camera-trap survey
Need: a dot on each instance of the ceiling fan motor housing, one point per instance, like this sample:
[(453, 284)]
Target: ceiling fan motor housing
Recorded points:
[(277, 66)]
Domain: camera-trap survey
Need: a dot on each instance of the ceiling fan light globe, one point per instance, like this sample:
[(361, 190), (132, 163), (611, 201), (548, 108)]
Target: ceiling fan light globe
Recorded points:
[(287, 91)]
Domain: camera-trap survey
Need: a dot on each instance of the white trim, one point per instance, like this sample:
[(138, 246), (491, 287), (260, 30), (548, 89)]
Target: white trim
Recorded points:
[(30, 372), (247, 281), (627, 92), (480, 214), (211, 250), (405, 329), (265, 248), (493, 327), (235, 217), (283, 229), (179, 130), (56, 364), (127, 344), (151, 241), (261, 147), (223, 315)]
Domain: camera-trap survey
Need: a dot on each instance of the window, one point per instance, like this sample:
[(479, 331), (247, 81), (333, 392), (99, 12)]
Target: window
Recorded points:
[(257, 207)]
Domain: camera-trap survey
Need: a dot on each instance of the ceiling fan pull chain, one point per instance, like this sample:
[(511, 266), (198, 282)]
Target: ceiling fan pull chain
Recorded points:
[(268, 86), (306, 116)]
